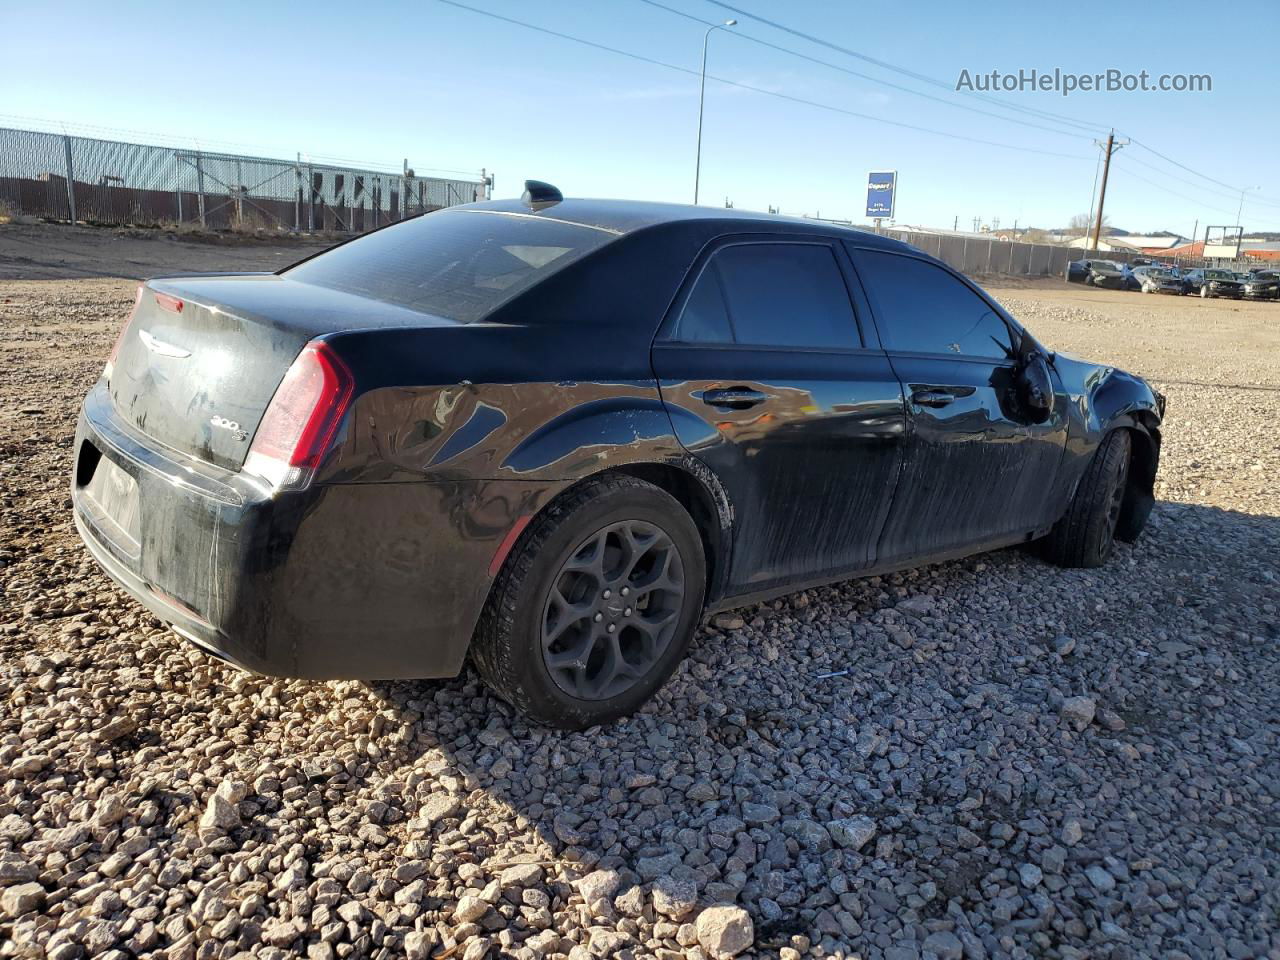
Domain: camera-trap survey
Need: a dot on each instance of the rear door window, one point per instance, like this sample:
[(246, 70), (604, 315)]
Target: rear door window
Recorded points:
[(770, 295), (460, 264), (922, 308)]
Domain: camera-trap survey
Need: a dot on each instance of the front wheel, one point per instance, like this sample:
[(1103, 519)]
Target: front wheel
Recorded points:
[(1085, 535), (1204, 293), (595, 606)]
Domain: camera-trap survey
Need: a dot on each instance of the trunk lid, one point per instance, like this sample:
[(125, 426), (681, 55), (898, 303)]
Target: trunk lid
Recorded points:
[(201, 357)]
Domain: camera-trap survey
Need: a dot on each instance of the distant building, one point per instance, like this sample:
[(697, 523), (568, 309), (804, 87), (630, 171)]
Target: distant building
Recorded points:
[(1260, 249), (1155, 244), (1105, 244), (1192, 250)]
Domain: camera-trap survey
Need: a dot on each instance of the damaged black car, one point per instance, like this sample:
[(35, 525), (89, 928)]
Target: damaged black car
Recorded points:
[(547, 436)]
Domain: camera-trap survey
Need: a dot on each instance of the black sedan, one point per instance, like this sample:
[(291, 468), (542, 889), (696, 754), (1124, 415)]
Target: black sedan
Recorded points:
[(1157, 280), (548, 435), (1111, 274), (1263, 285), (1213, 283)]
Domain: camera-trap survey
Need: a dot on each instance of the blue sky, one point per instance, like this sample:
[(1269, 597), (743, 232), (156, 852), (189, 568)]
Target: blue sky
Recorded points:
[(449, 89)]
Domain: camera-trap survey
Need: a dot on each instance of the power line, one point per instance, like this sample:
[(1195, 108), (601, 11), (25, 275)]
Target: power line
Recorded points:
[(923, 78), (746, 86), (1226, 195), (1203, 176), (1199, 203), (855, 73)]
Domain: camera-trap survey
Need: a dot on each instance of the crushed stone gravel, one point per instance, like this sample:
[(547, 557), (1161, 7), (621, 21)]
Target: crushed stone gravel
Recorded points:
[(1066, 764)]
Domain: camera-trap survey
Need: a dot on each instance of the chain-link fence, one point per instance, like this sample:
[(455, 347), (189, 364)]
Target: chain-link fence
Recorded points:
[(60, 177), (980, 255), (987, 255)]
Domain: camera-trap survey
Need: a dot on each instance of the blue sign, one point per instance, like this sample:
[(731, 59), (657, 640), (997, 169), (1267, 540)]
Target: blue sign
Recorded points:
[(881, 188)]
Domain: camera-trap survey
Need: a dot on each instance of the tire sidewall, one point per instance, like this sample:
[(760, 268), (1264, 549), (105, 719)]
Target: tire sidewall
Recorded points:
[(546, 700), (1115, 452)]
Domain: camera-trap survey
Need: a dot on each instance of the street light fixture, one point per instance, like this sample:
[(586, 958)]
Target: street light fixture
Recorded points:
[(702, 94)]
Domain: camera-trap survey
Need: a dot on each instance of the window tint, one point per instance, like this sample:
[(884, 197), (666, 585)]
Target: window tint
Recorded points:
[(923, 308), (705, 318), (771, 294), (455, 264)]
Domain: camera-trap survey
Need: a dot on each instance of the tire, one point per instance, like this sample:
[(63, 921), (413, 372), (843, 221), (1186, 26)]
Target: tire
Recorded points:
[(1204, 293), (1085, 535), (595, 525)]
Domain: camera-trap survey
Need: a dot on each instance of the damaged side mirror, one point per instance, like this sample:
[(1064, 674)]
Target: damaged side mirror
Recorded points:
[(1035, 386)]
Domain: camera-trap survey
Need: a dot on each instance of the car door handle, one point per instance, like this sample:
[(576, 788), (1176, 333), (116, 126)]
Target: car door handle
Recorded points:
[(932, 398), (735, 398)]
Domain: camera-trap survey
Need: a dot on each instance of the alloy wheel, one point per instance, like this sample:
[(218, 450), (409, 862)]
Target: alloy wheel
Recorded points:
[(612, 609)]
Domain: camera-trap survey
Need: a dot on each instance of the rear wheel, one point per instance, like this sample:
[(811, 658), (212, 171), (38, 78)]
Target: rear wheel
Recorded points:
[(1085, 536), (595, 606)]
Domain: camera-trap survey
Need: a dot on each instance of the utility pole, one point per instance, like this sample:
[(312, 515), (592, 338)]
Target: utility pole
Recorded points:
[(1112, 145), (956, 226)]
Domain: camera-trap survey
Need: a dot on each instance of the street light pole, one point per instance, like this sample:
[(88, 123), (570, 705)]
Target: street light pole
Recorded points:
[(702, 95), (1240, 209)]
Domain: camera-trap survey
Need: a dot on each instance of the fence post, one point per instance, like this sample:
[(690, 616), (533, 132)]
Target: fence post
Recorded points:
[(991, 246), (311, 199), (297, 194), (177, 181), (200, 188), (71, 179)]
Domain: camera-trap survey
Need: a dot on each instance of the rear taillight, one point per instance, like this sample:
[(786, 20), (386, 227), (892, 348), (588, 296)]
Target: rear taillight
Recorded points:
[(301, 419), (115, 349), (166, 302)]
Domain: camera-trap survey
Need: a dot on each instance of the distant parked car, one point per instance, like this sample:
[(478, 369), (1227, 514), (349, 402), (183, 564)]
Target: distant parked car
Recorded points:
[(1107, 273), (1111, 275), (1214, 283), (1263, 285), (1157, 280)]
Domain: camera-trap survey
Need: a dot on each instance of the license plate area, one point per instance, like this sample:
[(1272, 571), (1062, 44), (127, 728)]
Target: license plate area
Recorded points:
[(109, 496)]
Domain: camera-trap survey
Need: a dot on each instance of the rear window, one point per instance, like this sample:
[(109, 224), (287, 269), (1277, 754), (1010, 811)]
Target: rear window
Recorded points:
[(456, 264)]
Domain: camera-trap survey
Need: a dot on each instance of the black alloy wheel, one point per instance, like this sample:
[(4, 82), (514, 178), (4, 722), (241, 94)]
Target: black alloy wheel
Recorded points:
[(612, 609)]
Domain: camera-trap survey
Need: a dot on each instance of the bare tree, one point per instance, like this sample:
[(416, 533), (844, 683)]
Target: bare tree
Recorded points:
[(1081, 224)]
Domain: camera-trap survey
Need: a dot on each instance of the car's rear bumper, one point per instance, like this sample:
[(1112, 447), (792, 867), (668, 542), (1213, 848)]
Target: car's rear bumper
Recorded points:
[(356, 581)]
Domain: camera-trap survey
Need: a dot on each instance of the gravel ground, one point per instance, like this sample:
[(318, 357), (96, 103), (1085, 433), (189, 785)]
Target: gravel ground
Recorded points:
[(1020, 761)]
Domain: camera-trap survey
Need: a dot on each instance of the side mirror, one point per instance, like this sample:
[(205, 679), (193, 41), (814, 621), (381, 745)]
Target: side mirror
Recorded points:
[(1035, 386)]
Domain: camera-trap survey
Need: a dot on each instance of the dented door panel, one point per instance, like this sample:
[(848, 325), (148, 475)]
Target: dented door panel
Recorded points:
[(810, 469), (972, 471)]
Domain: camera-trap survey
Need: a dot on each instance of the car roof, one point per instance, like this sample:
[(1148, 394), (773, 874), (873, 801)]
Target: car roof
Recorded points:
[(628, 216)]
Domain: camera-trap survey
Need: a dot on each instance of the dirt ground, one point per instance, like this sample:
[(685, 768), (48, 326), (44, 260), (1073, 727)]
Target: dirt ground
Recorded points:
[(425, 820), (41, 251)]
